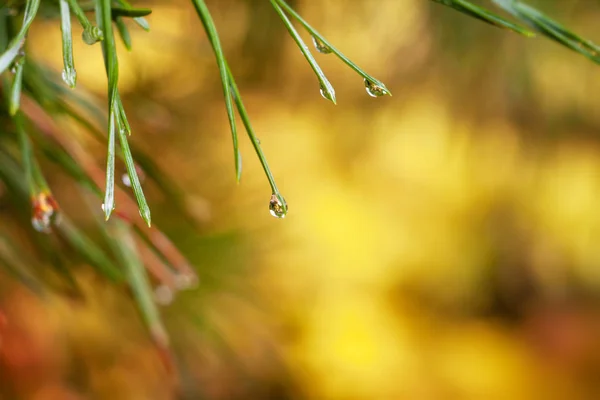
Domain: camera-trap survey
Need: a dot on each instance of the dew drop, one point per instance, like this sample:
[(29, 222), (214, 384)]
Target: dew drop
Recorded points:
[(105, 210), (375, 90), (186, 281), (41, 225), (44, 212), (328, 93), (320, 46), (92, 34), (69, 76), (278, 206), (164, 295), (125, 179)]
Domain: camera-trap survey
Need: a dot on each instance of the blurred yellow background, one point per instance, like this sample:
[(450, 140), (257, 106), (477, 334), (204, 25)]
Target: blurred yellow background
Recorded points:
[(440, 244)]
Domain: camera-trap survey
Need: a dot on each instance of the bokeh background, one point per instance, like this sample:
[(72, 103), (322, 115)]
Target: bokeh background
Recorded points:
[(441, 243)]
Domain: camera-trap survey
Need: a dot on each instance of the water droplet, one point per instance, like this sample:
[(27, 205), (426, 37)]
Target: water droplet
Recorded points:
[(163, 295), (44, 212), (258, 140), (186, 281), (328, 92), (40, 225), (69, 76), (320, 46), (375, 90), (92, 34), (125, 179), (105, 210), (278, 206), (18, 61)]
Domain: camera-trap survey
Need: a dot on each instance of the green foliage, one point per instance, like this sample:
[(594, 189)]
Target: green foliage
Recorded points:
[(35, 101), (531, 17)]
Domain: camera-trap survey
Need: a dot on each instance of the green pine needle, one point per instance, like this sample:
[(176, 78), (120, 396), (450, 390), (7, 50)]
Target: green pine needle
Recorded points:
[(69, 75), (140, 20), (91, 34), (109, 191), (250, 131), (484, 15), (551, 29), (18, 41), (327, 47), (89, 250), (213, 36), (123, 32), (14, 102), (133, 177), (125, 250), (130, 12), (327, 90)]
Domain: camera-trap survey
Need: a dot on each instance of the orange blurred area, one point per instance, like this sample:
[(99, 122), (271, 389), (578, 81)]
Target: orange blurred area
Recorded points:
[(440, 244)]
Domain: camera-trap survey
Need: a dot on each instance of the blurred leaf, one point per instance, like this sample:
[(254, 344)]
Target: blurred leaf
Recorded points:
[(123, 32), (484, 15), (89, 250), (15, 92), (130, 12), (140, 20), (124, 247), (551, 29), (17, 42)]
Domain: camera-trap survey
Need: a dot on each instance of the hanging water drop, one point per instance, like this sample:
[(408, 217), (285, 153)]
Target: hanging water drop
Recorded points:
[(40, 225), (126, 181), (163, 295), (186, 281), (278, 206), (69, 76), (44, 212), (320, 46), (105, 210), (19, 59), (375, 90), (92, 34), (328, 92)]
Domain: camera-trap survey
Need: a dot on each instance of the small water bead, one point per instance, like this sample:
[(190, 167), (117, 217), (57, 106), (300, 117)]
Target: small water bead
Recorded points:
[(278, 206), (105, 210), (41, 225), (125, 179), (164, 295), (328, 93), (140, 173), (375, 90), (320, 46), (69, 76), (186, 281), (44, 212), (92, 34), (18, 61)]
